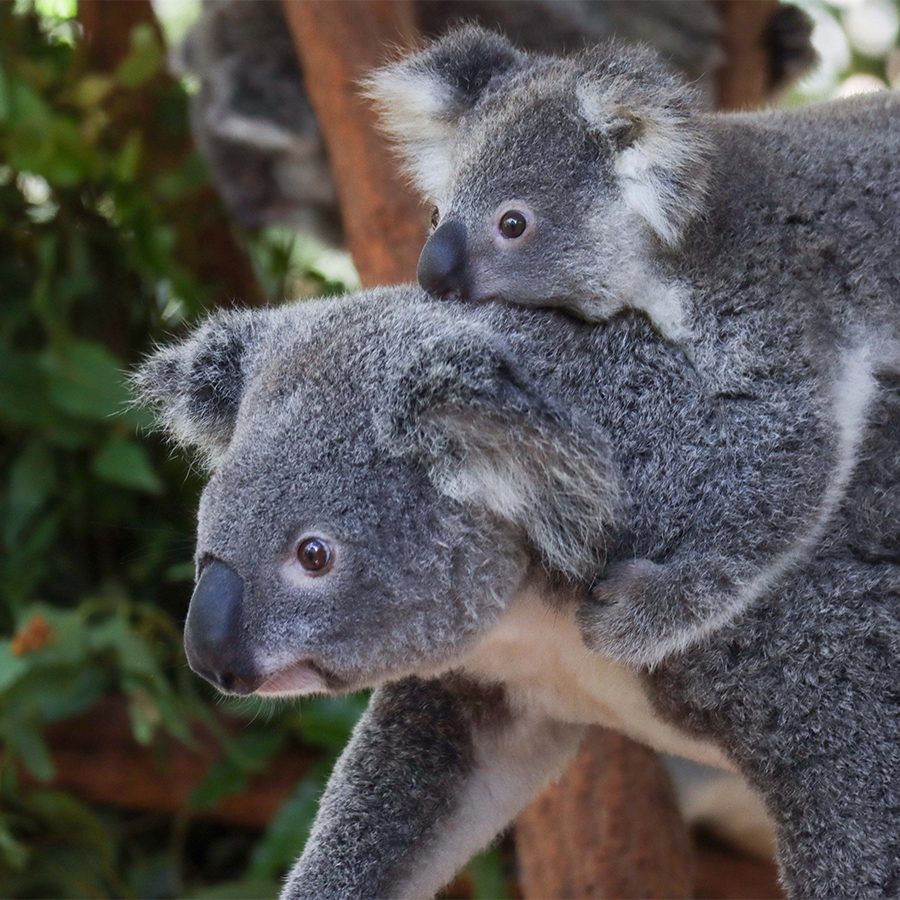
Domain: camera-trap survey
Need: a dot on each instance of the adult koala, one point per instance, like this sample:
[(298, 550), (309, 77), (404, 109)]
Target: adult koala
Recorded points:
[(395, 502)]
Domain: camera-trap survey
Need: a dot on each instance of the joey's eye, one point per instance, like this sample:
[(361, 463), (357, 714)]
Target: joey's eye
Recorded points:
[(435, 217), (315, 555), (512, 223)]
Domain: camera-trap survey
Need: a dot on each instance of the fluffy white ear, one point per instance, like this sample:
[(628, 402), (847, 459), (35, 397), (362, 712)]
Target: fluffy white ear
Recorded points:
[(195, 386), (649, 118), (421, 98), (490, 442)]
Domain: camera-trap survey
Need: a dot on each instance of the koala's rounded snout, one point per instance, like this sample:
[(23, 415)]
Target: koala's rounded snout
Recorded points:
[(442, 269), (212, 631)]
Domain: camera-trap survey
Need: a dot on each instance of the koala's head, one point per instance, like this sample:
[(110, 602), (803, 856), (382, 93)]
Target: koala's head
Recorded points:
[(548, 175), (381, 484)]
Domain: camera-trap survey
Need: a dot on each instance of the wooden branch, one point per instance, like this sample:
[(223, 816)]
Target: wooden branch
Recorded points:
[(743, 82), (610, 828), (337, 44), (721, 872)]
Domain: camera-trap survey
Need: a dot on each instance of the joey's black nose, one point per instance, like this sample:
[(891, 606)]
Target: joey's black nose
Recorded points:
[(442, 265), (212, 638)]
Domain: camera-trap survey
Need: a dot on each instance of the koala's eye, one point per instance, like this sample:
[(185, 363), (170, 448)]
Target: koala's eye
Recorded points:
[(315, 555), (512, 224), (435, 217)]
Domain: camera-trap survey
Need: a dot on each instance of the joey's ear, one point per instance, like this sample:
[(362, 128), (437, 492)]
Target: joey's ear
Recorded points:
[(491, 442), (421, 98), (648, 116), (196, 385)]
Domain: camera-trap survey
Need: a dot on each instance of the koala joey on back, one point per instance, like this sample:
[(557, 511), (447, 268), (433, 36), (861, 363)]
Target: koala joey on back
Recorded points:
[(413, 495), (595, 183), (763, 245)]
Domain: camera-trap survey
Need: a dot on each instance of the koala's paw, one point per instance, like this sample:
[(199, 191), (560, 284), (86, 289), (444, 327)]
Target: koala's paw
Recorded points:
[(628, 615)]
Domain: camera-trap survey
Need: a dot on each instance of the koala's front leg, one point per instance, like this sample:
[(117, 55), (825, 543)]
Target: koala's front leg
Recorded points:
[(642, 611), (435, 769)]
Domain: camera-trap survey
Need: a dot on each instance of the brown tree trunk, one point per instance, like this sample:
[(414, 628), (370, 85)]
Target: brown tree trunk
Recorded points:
[(338, 43), (610, 828), (743, 81)]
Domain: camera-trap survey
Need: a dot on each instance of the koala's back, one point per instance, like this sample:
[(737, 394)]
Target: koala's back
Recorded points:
[(805, 207), (802, 690)]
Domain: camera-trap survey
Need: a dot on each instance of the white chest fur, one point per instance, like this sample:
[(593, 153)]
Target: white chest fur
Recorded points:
[(538, 654)]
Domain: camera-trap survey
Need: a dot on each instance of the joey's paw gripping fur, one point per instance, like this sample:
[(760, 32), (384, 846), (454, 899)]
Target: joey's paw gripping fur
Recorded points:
[(622, 616)]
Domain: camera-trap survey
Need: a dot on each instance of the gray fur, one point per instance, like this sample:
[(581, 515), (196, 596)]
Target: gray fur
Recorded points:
[(634, 199), (347, 426)]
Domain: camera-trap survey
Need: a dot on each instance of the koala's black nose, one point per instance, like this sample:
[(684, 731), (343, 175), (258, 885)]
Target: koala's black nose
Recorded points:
[(212, 639), (442, 265)]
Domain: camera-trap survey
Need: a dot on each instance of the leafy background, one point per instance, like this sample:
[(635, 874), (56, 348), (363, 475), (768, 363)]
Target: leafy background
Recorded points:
[(97, 208), (102, 212)]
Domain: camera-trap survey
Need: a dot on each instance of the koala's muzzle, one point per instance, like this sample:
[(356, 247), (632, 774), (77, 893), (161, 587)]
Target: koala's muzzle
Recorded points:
[(442, 270), (212, 631)]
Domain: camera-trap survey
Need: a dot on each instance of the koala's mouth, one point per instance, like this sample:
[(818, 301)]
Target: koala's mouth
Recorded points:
[(299, 679)]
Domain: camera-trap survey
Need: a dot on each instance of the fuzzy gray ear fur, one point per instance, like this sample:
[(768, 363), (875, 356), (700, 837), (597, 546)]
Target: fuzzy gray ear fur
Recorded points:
[(196, 385), (648, 117), (421, 98), (490, 442)]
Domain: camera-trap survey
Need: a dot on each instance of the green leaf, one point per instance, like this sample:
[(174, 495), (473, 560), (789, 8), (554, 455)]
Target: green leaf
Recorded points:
[(12, 852), (290, 828), (25, 741), (68, 644), (144, 59), (51, 694), (22, 566), (126, 164), (32, 480), (5, 98), (11, 666), (22, 397), (74, 856), (248, 754), (183, 571), (244, 889), (123, 462), (57, 9), (327, 721), (84, 379), (145, 716), (486, 870), (91, 90), (132, 651)]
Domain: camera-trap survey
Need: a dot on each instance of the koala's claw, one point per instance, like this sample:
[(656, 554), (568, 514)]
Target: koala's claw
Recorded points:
[(621, 617)]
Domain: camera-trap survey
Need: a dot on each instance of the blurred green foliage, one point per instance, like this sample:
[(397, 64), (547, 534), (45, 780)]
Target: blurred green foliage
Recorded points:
[(96, 518)]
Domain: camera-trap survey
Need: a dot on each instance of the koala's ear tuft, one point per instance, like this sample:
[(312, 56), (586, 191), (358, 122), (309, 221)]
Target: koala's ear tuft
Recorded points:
[(420, 99), (491, 442), (648, 117), (196, 385)]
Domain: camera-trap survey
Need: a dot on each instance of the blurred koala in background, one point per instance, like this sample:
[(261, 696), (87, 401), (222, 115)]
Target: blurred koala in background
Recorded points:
[(253, 123)]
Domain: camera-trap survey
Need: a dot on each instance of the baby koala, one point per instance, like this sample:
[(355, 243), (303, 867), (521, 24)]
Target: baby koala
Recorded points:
[(763, 245)]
